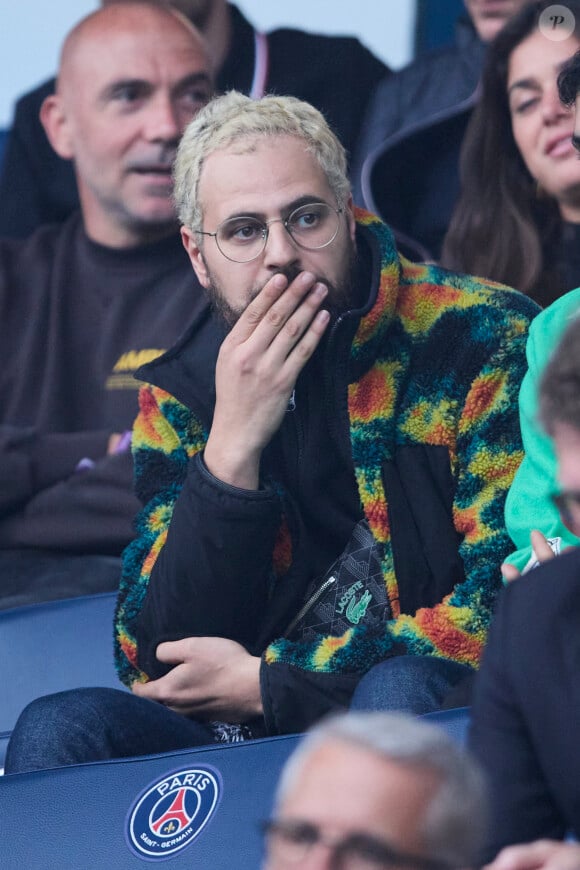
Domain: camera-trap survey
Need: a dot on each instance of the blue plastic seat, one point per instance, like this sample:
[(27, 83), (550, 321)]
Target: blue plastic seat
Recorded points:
[(50, 647), (196, 808), (103, 815)]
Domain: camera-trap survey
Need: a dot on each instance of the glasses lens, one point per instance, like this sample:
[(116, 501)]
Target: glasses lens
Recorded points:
[(289, 842), (241, 239), (365, 853), (314, 225)]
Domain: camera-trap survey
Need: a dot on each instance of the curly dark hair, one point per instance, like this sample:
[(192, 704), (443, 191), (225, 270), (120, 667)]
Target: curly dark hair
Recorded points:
[(569, 81)]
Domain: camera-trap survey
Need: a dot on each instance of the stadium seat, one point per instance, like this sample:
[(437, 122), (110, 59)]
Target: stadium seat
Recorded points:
[(50, 647), (198, 808), (195, 808)]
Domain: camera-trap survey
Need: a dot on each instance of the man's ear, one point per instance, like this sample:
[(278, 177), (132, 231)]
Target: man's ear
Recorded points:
[(56, 126), (191, 245)]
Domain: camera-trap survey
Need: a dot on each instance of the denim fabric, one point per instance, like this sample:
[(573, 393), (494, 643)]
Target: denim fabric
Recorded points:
[(84, 725), (411, 684)]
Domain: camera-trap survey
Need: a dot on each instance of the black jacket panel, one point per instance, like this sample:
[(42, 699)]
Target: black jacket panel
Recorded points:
[(526, 711)]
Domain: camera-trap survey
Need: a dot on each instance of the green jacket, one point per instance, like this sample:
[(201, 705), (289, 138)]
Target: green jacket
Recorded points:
[(528, 505)]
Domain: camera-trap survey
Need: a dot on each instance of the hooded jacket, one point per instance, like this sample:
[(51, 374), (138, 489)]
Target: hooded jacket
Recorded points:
[(406, 167), (420, 400)]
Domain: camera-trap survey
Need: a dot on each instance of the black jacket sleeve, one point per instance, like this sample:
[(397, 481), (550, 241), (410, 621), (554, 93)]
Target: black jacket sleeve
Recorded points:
[(294, 699), (212, 575), (526, 708), (45, 502), (31, 461)]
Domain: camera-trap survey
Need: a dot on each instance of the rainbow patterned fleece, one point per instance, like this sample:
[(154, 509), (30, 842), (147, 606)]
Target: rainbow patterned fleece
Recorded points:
[(407, 356)]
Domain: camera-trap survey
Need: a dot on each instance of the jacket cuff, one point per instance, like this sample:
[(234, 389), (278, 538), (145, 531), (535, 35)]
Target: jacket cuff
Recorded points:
[(220, 488), (294, 699)]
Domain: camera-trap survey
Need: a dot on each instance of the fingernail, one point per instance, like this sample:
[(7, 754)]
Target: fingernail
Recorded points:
[(307, 278), (320, 290)]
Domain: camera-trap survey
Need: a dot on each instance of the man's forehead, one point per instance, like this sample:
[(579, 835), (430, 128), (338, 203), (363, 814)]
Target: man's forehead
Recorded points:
[(348, 787), (258, 174), (118, 43), (335, 761)]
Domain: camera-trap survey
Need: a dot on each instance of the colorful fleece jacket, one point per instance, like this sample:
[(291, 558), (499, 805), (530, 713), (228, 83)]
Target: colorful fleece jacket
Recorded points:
[(435, 365)]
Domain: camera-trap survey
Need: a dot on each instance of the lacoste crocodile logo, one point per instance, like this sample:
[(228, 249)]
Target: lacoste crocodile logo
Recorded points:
[(355, 610)]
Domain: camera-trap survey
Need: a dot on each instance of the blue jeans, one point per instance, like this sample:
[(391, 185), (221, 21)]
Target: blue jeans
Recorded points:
[(411, 684), (83, 725)]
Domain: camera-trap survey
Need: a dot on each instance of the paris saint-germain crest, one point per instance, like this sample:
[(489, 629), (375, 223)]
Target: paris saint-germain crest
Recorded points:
[(172, 812)]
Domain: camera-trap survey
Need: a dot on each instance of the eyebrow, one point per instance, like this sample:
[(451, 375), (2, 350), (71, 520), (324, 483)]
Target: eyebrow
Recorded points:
[(524, 84), (197, 78), (111, 89), (532, 84), (194, 79), (287, 209)]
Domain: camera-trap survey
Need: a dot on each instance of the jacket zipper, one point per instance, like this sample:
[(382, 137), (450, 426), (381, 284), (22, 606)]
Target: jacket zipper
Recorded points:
[(314, 598)]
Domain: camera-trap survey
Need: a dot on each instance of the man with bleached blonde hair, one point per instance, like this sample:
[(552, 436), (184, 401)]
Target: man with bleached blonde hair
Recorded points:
[(324, 485)]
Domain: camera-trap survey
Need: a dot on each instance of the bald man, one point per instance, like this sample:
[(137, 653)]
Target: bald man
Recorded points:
[(84, 304), (335, 73)]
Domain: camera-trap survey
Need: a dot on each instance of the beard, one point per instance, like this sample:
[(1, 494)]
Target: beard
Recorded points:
[(340, 293)]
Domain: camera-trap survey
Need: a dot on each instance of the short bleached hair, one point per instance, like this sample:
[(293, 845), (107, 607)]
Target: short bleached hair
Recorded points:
[(234, 117)]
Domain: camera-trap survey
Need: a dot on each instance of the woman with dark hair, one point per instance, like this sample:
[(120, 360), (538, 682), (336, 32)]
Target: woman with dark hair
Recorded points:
[(518, 217)]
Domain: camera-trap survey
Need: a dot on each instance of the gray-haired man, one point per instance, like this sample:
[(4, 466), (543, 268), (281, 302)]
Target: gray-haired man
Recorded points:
[(377, 791)]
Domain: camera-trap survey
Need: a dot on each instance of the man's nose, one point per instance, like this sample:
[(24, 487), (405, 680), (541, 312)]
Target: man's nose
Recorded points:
[(163, 121), (281, 249)]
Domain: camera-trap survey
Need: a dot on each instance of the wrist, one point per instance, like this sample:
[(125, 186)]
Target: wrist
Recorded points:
[(232, 466)]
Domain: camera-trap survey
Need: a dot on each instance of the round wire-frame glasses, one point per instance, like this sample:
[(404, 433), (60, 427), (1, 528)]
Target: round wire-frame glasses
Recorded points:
[(242, 238)]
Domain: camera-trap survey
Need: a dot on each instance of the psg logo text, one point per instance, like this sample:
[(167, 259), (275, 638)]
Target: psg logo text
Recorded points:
[(172, 812)]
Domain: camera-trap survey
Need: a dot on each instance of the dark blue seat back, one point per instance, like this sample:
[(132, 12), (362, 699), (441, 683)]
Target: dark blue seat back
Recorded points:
[(122, 813), (89, 816), (50, 647)]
